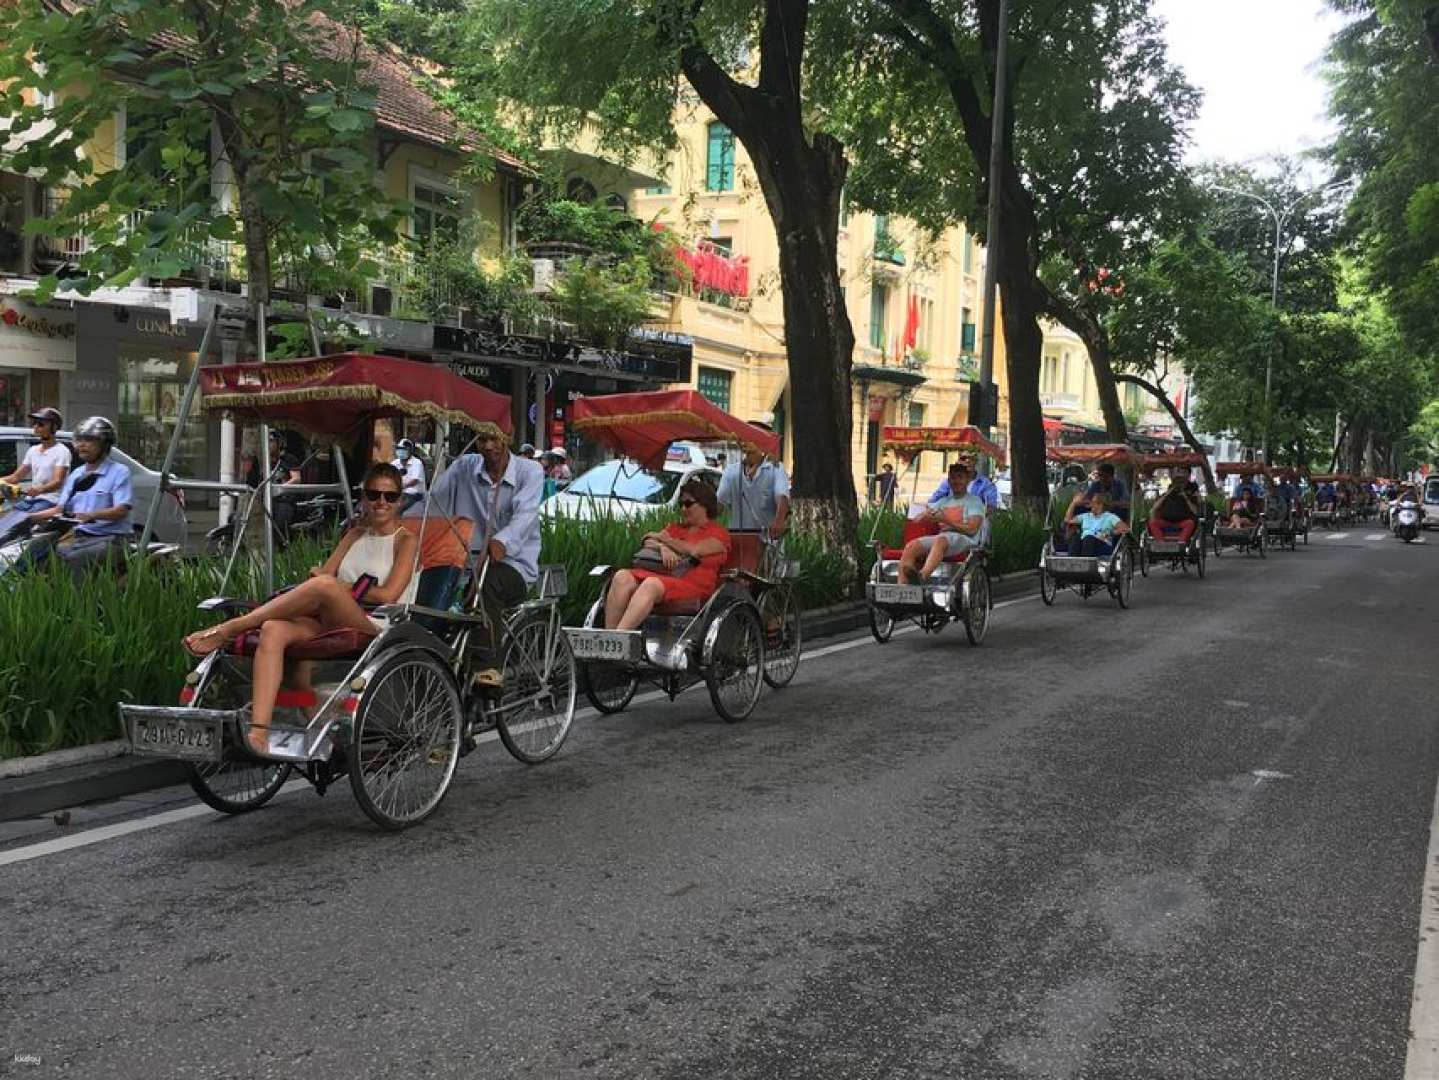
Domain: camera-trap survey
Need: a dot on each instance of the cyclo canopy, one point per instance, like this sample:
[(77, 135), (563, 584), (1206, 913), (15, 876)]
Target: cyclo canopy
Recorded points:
[(332, 396), (1174, 459), (642, 425), (1242, 468), (1093, 454), (908, 442)]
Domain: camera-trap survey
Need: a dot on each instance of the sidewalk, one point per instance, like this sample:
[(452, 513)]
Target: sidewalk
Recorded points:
[(68, 779)]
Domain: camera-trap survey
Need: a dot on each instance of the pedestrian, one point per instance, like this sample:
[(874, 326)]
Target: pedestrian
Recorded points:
[(559, 470), (756, 491), (885, 484), (527, 450)]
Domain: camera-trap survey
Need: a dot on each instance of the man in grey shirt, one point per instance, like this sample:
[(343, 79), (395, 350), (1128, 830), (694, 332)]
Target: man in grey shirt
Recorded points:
[(756, 490), (500, 492)]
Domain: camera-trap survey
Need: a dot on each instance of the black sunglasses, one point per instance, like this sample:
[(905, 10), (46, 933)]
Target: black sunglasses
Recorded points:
[(686, 503), (375, 495)]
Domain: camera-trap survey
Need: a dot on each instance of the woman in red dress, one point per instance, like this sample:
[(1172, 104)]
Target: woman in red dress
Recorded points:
[(634, 593)]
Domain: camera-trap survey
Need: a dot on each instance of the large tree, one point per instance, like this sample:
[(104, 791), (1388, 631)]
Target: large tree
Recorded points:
[(282, 85), (1092, 138), (623, 64)]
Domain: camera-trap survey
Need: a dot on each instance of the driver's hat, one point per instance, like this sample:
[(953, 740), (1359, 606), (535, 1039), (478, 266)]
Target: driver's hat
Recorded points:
[(47, 415), (558, 451)]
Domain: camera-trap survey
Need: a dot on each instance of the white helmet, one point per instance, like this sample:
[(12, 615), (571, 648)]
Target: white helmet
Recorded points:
[(99, 429)]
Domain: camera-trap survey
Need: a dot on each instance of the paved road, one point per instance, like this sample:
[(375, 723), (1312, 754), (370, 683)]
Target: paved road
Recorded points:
[(1186, 840)]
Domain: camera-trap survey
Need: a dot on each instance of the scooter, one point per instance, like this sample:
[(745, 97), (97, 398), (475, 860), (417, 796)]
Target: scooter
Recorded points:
[(1406, 520)]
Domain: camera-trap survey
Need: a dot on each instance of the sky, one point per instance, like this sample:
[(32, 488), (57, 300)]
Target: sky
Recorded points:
[(1256, 61)]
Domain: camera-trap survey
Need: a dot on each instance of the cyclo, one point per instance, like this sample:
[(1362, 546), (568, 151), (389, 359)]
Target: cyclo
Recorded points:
[(1177, 554), (1292, 526), (1059, 568), (393, 711), (959, 589), (1246, 538), (746, 633), (1329, 514)]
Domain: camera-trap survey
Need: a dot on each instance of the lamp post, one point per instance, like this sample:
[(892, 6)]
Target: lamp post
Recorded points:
[(991, 235), (1281, 217)]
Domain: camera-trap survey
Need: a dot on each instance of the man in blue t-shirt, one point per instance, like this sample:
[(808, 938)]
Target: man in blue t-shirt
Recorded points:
[(97, 497), (961, 521), (979, 485)]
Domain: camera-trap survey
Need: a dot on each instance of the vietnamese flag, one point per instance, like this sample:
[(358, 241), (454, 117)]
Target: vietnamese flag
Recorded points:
[(911, 323)]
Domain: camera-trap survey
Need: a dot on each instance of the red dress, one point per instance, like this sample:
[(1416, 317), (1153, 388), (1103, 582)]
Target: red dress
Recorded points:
[(701, 580)]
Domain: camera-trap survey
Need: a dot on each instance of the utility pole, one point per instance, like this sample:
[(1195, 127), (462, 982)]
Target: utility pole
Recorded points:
[(991, 238), (1281, 217)]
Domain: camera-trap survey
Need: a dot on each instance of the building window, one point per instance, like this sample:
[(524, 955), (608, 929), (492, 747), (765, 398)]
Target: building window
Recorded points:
[(916, 414), (722, 244), (661, 188), (886, 247), (1049, 370), (151, 386), (878, 305), (966, 330), (714, 384), (968, 253), (436, 217), (719, 158), (615, 201)]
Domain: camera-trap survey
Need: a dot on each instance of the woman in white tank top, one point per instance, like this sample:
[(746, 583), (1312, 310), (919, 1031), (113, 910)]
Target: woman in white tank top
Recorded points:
[(379, 548)]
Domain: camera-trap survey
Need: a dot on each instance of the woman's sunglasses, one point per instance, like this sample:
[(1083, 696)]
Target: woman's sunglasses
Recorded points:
[(374, 495), (685, 504)]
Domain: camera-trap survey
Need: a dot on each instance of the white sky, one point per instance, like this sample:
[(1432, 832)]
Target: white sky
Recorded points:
[(1256, 62)]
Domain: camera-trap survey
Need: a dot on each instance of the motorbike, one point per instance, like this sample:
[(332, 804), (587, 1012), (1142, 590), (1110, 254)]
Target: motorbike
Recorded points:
[(312, 516), (1405, 519)]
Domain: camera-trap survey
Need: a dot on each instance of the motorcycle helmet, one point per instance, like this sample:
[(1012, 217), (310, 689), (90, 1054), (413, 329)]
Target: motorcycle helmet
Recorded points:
[(99, 429), (404, 448)]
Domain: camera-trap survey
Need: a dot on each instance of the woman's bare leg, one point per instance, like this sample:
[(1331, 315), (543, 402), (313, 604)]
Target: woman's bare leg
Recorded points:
[(324, 599), (622, 588), (649, 593), (267, 669)]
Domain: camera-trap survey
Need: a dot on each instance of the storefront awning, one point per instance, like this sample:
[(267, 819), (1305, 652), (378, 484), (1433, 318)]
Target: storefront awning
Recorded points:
[(890, 375)]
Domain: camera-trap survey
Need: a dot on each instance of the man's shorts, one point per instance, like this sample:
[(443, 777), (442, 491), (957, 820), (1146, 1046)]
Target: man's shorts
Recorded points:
[(958, 541)]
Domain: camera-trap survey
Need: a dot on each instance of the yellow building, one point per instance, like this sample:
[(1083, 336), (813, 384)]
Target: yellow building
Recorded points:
[(1068, 391), (710, 197)]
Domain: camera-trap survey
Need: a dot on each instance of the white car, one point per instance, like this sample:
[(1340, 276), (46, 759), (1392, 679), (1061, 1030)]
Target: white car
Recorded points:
[(1430, 499), (622, 488)]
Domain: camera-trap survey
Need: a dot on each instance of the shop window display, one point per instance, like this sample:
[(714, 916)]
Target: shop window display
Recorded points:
[(151, 387)]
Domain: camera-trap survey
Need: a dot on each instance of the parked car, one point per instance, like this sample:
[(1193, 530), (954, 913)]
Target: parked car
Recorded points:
[(1431, 502), (170, 525), (1004, 486), (622, 488)]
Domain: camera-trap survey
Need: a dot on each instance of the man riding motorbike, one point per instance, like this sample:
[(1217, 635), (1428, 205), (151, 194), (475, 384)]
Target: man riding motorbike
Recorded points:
[(45, 466), (96, 497)]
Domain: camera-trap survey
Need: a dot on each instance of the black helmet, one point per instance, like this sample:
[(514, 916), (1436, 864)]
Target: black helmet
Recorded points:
[(99, 429)]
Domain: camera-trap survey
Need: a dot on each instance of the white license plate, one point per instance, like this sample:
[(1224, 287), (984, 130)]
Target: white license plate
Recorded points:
[(604, 644), (198, 740), (899, 594)]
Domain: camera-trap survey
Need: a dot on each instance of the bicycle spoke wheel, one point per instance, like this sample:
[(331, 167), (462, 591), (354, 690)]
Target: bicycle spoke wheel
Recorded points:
[(406, 739), (779, 614), (538, 703), (976, 605), (237, 787), (735, 663)]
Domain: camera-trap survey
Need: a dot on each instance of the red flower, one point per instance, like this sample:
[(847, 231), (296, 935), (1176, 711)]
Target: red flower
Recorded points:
[(10, 315)]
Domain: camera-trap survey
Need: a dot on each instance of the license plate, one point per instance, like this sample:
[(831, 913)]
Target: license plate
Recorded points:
[(604, 644), (198, 740), (1408, 517), (899, 594)]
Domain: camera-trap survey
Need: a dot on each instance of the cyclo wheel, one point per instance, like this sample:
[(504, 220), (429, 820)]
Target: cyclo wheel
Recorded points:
[(779, 615), (1048, 587), (1199, 561), (537, 706), (1143, 559), (881, 624), (1262, 543), (609, 687), (1123, 577), (976, 605), (237, 787), (405, 739), (735, 662)]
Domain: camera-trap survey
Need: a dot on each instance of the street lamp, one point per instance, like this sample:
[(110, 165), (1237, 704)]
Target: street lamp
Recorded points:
[(1280, 216)]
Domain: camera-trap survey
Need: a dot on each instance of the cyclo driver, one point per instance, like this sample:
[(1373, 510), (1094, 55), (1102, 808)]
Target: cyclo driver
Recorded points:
[(500, 492), (756, 491), (1176, 514), (1244, 508), (961, 520)]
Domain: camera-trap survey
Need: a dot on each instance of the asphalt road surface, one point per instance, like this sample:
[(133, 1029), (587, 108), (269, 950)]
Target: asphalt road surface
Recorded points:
[(1187, 840)]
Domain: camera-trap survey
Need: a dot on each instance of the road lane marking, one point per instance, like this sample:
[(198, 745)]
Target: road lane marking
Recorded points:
[(1422, 1062), (167, 817), (1376, 536), (1337, 536)]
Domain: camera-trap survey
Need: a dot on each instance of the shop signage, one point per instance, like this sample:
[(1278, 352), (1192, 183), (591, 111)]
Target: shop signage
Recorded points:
[(657, 358), (36, 337)]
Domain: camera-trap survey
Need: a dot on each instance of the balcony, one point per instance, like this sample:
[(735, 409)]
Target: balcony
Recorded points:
[(1054, 400)]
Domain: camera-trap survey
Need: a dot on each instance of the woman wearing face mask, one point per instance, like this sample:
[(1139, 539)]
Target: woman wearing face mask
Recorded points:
[(413, 470)]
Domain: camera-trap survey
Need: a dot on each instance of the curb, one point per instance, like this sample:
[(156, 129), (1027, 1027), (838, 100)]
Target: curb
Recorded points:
[(32, 786)]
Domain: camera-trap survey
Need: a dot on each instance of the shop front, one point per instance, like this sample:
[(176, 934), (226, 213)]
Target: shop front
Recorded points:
[(141, 362), (37, 350)]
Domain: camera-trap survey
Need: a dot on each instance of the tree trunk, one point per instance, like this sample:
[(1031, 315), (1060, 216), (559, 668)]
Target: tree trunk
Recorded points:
[(1184, 429), (1338, 447), (801, 176), (1023, 346)]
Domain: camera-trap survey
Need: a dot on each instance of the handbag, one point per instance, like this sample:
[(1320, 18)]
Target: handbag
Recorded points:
[(648, 558)]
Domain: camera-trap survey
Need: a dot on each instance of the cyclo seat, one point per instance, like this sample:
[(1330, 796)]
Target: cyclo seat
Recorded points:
[(744, 554), (913, 530), (443, 547)]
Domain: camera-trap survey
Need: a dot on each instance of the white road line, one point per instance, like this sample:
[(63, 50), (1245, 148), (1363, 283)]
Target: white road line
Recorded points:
[(1423, 1059), (1376, 536), (1337, 536), (184, 813)]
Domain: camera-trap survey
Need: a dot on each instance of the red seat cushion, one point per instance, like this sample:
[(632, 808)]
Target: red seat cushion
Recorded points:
[(331, 645)]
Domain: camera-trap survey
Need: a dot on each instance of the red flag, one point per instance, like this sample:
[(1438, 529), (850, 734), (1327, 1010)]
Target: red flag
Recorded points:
[(911, 323)]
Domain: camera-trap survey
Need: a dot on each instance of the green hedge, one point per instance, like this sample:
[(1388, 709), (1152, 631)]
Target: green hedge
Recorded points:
[(72, 651)]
